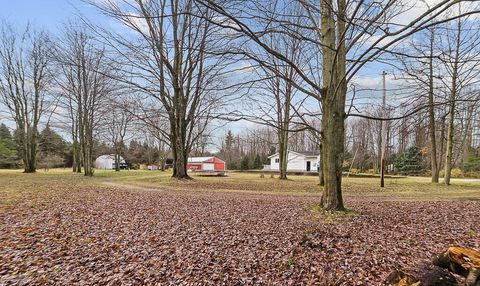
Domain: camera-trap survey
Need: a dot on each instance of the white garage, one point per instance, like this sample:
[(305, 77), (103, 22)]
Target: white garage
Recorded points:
[(107, 162)]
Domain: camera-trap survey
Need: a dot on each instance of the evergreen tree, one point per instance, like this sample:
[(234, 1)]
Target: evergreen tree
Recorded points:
[(472, 164), (51, 142), (244, 164), (228, 148), (409, 162), (5, 132), (8, 153), (257, 163), (53, 150)]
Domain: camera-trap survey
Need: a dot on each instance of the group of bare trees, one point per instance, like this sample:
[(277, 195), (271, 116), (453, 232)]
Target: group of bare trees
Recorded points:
[(85, 78), (167, 48), (43, 76)]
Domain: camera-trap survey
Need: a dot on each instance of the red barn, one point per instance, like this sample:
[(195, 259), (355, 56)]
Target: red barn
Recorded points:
[(206, 165)]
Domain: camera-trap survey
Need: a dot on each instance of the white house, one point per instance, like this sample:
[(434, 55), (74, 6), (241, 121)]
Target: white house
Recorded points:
[(107, 162), (296, 161)]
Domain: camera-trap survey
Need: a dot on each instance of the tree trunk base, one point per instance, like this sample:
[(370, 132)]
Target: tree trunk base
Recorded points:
[(186, 177), (461, 261)]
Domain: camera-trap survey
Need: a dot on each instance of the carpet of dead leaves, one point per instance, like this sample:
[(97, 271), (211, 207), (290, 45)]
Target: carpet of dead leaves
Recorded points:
[(111, 236)]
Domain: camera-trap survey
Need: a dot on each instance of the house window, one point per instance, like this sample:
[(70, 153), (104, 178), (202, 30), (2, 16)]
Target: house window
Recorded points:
[(277, 160)]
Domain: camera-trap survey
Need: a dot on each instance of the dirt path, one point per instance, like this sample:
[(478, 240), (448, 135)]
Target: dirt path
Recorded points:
[(130, 187)]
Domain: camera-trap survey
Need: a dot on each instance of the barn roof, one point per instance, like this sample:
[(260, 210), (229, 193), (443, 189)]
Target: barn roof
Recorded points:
[(200, 159)]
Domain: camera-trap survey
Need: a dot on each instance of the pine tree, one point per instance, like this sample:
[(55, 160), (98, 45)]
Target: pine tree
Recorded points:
[(244, 164), (8, 153), (5, 132), (409, 162), (51, 142), (52, 149), (257, 163)]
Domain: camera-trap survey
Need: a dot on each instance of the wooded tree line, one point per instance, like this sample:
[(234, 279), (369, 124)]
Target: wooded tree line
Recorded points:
[(175, 67), (52, 150)]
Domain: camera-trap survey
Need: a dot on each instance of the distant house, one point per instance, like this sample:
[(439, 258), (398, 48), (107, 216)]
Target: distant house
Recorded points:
[(206, 165), (107, 162), (296, 161)]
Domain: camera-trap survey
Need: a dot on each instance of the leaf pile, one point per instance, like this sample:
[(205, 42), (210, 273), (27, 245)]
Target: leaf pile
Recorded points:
[(100, 236)]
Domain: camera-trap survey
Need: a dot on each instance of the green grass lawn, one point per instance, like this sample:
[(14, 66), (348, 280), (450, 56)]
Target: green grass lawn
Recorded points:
[(16, 186)]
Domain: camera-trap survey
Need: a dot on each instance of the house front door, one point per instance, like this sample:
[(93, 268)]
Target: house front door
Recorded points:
[(308, 166)]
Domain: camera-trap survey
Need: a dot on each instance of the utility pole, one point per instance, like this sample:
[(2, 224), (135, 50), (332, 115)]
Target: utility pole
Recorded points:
[(383, 134)]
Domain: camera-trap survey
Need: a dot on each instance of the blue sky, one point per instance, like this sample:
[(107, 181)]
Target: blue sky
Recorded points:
[(47, 14)]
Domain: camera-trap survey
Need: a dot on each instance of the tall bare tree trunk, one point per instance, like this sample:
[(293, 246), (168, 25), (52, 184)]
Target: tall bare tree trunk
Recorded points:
[(451, 115), (162, 158), (431, 115), (76, 152), (448, 155), (441, 147), (283, 152), (30, 151), (333, 102), (321, 176), (180, 151), (77, 161), (117, 161)]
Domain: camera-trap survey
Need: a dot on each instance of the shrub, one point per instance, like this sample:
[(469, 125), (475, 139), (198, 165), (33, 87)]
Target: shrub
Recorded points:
[(355, 171), (455, 173), (472, 174), (472, 164)]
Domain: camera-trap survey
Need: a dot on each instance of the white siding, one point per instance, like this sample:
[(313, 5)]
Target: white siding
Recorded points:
[(296, 162), (104, 163)]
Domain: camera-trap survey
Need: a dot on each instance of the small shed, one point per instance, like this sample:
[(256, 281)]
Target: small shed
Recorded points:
[(206, 165), (107, 162)]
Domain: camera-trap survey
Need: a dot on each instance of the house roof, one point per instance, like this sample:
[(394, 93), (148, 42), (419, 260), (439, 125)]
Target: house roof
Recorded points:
[(201, 159), (301, 153), (310, 153), (107, 157)]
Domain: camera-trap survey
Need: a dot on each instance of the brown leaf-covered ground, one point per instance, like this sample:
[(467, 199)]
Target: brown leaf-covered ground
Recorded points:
[(65, 230)]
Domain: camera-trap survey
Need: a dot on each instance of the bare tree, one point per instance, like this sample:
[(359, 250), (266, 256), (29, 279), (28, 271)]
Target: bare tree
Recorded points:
[(86, 86), (419, 54), (116, 124), (158, 127), (25, 79), (460, 58)]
